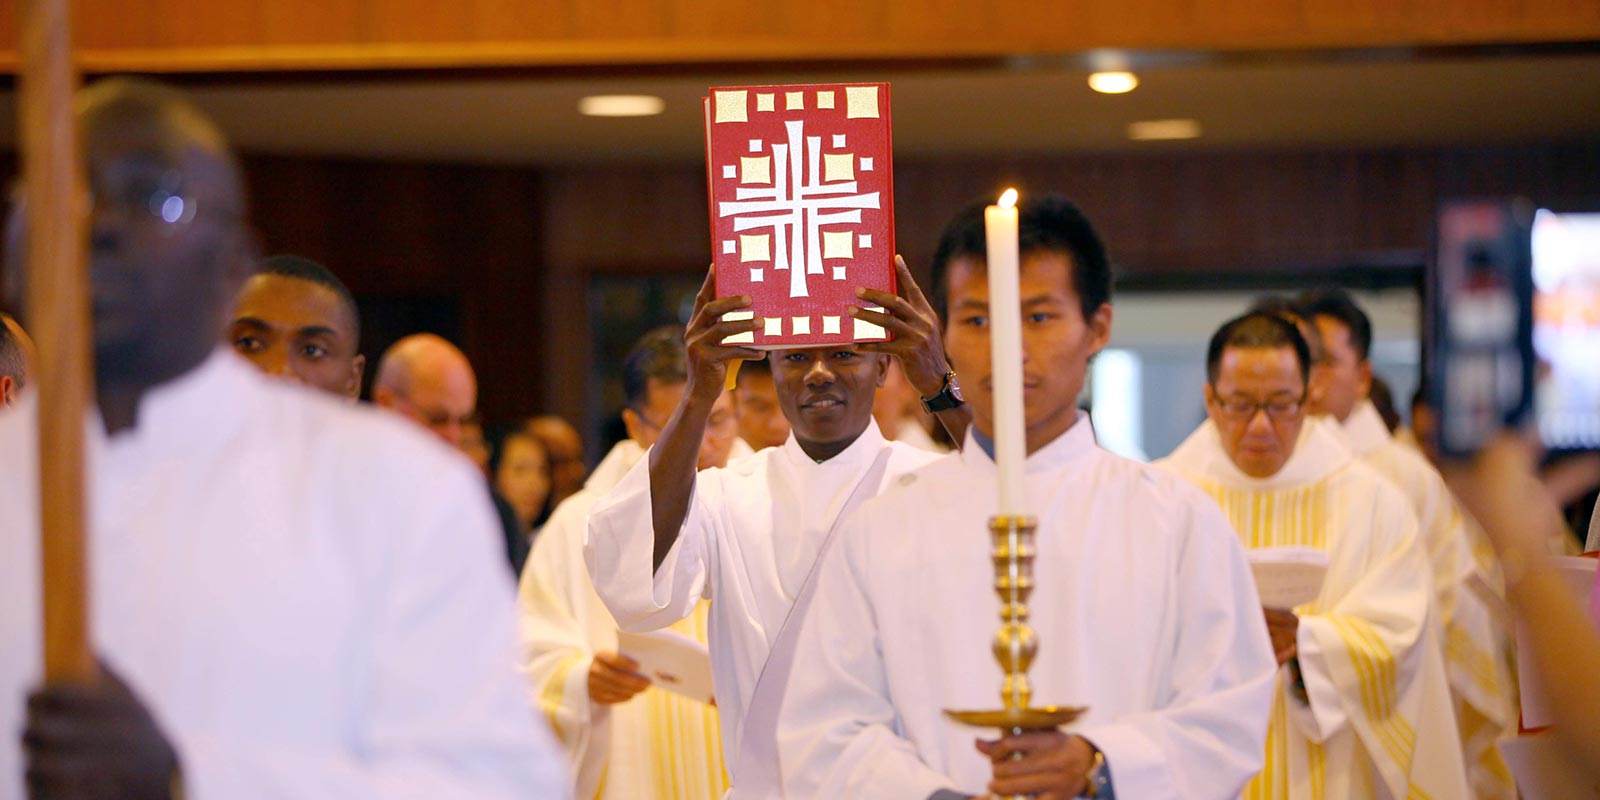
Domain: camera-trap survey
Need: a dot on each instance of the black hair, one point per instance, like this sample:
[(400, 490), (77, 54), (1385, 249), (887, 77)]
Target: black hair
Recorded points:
[(1280, 306), (301, 268), (1338, 304), (496, 439), (1257, 329), (1046, 222), (1382, 398), (13, 361), (755, 366), (659, 354)]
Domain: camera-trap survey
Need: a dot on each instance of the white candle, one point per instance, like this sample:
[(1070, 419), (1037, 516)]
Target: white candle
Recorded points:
[(1005, 343)]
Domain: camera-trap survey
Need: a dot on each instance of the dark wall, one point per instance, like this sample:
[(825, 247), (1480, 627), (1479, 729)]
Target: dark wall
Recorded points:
[(498, 258)]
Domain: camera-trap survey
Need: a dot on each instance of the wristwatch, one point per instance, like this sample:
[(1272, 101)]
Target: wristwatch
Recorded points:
[(1098, 779), (948, 397)]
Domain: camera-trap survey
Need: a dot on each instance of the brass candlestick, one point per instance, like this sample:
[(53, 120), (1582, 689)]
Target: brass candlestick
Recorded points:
[(1015, 644)]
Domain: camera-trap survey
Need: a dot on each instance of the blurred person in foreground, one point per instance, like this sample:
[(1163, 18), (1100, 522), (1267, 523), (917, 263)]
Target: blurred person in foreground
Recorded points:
[(290, 597), (1501, 489)]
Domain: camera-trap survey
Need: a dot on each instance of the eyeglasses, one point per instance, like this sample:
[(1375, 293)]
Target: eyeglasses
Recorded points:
[(144, 197), (1243, 409)]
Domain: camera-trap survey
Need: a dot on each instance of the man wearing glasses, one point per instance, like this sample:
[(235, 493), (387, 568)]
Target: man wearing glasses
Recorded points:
[(430, 381), (624, 740), (1361, 670)]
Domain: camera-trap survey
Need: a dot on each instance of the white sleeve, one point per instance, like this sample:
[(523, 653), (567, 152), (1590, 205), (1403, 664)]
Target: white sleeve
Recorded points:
[(620, 551), (1209, 737), (838, 730), (446, 714)]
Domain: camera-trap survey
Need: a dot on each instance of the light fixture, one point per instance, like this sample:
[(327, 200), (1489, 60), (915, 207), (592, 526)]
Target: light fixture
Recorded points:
[(1163, 129), (621, 105), (1113, 82)]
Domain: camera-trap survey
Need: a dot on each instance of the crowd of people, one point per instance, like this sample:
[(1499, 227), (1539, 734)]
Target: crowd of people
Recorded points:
[(297, 594)]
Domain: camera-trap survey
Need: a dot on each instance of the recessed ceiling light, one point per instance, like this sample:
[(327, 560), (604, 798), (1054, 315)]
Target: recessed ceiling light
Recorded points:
[(1113, 82), (621, 105), (1161, 129)]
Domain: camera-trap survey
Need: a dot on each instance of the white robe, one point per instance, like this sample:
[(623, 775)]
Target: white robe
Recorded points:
[(656, 744), (749, 540), (310, 598), (1144, 610), (1368, 645), (1476, 645)]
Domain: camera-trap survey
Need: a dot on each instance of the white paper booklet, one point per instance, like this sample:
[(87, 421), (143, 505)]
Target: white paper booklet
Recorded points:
[(1543, 771), (671, 661), (1579, 573), (1288, 576)]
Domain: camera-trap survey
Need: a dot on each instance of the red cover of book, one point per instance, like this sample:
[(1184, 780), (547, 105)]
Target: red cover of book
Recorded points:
[(801, 181)]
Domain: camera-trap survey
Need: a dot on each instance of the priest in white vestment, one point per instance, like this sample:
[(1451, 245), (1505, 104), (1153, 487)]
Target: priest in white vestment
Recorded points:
[(1465, 574), (1362, 691), (1143, 603), (291, 597), (747, 536), (626, 738), (1467, 588)]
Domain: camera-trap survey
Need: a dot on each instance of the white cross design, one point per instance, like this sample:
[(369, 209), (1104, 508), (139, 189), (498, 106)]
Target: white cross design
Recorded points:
[(810, 203)]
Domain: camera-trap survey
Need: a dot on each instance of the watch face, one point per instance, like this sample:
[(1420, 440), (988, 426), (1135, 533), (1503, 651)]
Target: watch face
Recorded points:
[(955, 389)]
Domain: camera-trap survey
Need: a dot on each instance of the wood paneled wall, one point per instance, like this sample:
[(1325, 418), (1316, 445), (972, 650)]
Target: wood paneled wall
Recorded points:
[(1189, 214), (251, 35), (513, 249)]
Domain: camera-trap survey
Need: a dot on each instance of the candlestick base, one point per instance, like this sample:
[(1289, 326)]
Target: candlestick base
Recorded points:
[(1042, 718)]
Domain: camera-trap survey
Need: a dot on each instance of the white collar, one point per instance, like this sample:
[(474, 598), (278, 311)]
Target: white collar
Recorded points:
[(611, 469), (1073, 444), (202, 402), (1318, 453), (1364, 430), (863, 449)]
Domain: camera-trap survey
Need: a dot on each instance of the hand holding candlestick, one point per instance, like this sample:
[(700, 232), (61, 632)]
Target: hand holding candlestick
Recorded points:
[(1011, 530)]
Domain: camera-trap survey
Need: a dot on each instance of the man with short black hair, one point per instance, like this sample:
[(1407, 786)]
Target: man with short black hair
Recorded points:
[(1361, 686), (16, 354), (626, 741), (755, 400), (1142, 601), (298, 321), (289, 598), (1482, 679), (747, 536)]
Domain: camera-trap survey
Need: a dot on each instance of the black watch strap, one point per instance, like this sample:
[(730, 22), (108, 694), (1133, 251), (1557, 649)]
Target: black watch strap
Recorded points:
[(948, 397)]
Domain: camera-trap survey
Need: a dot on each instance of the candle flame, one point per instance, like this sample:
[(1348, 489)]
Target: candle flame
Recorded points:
[(1008, 198)]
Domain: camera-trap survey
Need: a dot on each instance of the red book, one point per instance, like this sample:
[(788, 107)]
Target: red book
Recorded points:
[(801, 182)]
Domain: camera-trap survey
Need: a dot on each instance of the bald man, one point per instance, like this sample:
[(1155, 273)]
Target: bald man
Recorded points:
[(16, 356), (264, 628), (430, 381)]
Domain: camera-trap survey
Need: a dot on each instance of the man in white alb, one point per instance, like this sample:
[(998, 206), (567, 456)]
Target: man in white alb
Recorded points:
[(746, 537), (1143, 605), (1361, 692), (626, 740), (291, 598), (1476, 643)]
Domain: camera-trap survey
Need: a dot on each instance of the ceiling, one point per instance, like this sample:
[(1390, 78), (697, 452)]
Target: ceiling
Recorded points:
[(974, 111)]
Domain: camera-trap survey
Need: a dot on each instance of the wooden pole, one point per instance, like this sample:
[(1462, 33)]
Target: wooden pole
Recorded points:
[(58, 314)]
